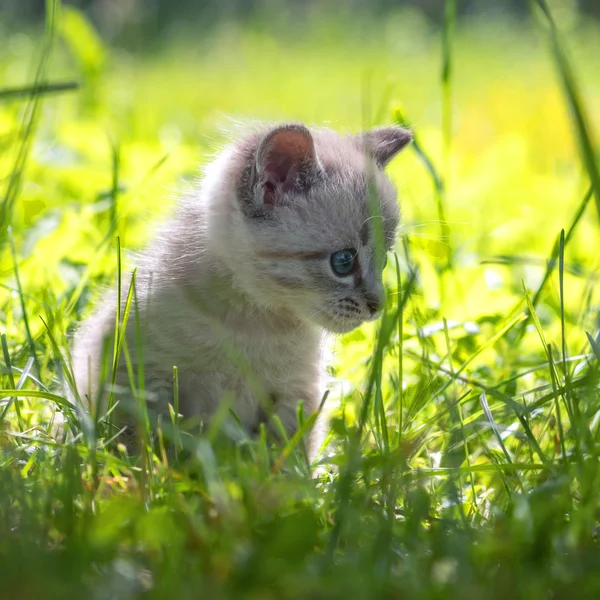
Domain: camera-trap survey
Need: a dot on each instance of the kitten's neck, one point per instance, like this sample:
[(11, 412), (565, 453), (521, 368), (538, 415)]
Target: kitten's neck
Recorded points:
[(214, 289)]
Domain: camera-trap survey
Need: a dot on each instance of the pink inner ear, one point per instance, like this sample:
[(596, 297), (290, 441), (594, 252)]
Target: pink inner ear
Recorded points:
[(278, 180), (280, 169), (269, 192), (283, 155)]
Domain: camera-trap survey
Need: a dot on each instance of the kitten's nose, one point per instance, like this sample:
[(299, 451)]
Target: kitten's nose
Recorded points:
[(374, 303)]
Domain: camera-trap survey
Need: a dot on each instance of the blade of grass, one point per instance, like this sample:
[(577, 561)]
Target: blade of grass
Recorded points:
[(569, 398), (294, 441), (458, 410), (30, 341), (595, 345), (573, 96), (175, 412), (24, 92), (114, 192), (36, 394), (11, 380), (440, 471), (400, 398), (116, 341), (30, 118), (553, 374), (447, 65), (120, 332), (490, 417), (141, 383)]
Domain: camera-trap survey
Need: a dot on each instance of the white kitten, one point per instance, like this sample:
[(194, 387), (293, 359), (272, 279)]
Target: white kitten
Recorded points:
[(284, 239)]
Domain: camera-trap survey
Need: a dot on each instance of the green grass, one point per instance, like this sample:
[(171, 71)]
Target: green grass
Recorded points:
[(465, 435)]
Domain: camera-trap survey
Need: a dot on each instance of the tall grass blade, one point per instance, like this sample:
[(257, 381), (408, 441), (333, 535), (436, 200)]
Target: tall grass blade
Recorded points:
[(490, 417), (447, 39), (553, 373), (11, 380), (573, 96), (30, 119), (24, 312), (22, 93), (595, 345)]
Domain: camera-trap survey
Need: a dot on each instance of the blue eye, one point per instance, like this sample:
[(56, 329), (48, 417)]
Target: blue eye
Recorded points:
[(343, 261)]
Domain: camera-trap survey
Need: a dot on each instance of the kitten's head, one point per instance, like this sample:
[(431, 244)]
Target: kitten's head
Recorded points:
[(311, 219)]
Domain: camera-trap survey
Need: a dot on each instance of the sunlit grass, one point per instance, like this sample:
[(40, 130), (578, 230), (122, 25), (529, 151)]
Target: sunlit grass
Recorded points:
[(463, 459)]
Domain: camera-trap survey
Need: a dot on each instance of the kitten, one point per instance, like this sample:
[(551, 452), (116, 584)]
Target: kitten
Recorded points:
[(278, 245)]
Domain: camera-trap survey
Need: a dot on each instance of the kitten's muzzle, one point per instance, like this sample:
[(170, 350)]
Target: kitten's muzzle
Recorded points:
[(374, 304)]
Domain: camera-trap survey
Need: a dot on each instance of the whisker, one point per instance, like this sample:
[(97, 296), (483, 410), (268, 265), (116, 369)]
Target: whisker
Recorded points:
[(435, 222)]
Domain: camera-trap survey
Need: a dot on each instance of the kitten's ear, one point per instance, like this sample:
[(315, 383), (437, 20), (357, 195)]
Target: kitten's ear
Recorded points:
[(284, 159), (383, 143)]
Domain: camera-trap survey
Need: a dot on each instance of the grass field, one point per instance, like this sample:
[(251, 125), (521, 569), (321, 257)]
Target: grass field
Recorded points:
[(464, 449)]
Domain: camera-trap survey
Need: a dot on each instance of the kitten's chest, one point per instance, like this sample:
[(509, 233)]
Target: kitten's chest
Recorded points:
[(234, 343), (281, 360)]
